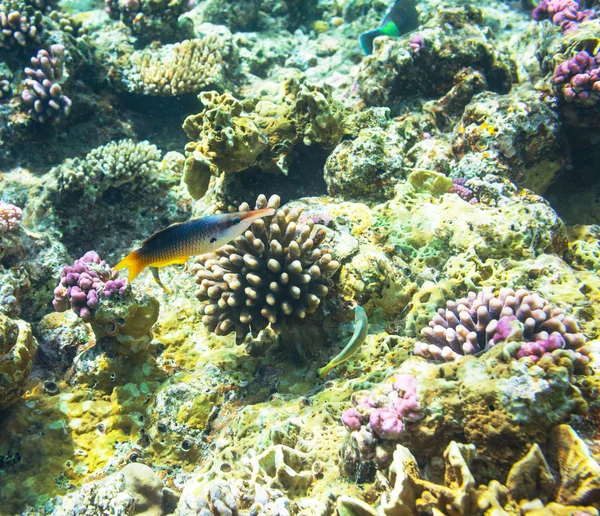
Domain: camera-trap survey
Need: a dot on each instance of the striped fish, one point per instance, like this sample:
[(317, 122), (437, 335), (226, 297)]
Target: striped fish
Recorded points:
[(178, 242)]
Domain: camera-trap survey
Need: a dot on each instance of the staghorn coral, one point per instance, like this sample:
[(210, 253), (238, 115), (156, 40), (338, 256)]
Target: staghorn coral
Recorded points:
[(44, 98), (273, 274), (17, 351), (20, 24), (10, 217), (187, 67), (475, 323)]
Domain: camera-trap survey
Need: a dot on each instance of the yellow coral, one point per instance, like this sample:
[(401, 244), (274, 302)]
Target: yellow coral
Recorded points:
[(171, 70)]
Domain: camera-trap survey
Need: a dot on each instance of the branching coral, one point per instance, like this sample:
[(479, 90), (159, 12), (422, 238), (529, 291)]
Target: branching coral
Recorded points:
[(44, 98), (111, 165), (187, 67), (479, 321), (10, 217), (276, 272), (20, 24)]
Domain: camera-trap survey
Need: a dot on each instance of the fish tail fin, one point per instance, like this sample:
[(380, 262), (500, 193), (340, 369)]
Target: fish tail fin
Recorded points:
[(324, 371), (366, 40), (134, 264)]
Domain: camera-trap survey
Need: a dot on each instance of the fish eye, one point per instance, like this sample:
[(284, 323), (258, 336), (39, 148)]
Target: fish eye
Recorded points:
[(237, 220)]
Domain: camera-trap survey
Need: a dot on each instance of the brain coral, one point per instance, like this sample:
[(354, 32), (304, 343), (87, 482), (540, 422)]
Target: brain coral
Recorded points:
[(272, 274), (186, 67)]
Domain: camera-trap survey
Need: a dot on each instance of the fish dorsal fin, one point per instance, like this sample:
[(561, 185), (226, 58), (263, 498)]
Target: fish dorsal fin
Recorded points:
[(151, 237)]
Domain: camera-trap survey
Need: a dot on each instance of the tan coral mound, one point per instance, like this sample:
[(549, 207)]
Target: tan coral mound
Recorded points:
[(275, 271), (172, 70)]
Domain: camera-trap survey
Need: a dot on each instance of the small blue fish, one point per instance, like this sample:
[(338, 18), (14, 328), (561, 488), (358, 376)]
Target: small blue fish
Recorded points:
[(402, 18)]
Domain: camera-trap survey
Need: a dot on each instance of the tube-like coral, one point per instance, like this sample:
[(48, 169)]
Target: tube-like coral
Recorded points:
[(479, 321), (271, 274), (20, 24), (44, 98)]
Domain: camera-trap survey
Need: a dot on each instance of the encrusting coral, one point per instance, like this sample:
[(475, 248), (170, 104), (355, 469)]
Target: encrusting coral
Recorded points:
[(231, 136), (272, 274), (473, 324), (17, 351)]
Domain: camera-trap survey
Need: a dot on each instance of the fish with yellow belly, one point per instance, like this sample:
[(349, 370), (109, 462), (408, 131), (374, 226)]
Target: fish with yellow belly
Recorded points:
[(178, 242)]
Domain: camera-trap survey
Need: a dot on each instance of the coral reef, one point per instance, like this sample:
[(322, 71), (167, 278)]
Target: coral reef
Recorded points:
[(453, 41), (479, 321), (231, 137), (496, 402), (17, 352), (273, 274), (44, 98), (152, 19)]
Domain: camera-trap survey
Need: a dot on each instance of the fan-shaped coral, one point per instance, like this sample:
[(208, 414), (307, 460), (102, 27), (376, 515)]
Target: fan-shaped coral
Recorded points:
[(479, 321), (274, 272)]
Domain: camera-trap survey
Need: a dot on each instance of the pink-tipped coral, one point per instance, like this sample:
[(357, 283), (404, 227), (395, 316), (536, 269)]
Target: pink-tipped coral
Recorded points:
[(385, 411), (567, 14), (83, 285), (578, 79), (10, 217), (479, 321)]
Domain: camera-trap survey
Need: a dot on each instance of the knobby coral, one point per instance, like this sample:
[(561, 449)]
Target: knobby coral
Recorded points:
[(275, 272), (10, 217), (44, 98), (475, 323), (20, 24), (578, 79), (84, 284), (114, 310), (567, 14)]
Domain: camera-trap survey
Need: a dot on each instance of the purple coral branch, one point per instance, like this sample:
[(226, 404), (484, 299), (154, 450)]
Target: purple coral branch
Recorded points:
[(44, 98)]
